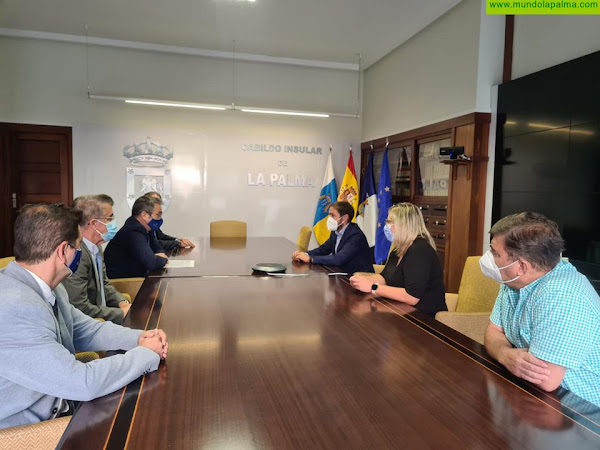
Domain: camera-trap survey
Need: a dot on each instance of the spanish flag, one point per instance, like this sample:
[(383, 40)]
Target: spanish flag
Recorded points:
[(326, 198), (349, 188)]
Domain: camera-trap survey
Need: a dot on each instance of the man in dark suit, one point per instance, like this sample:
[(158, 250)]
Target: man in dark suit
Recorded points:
[(346, 248), (88, 288), (133, 252), (168, 242)]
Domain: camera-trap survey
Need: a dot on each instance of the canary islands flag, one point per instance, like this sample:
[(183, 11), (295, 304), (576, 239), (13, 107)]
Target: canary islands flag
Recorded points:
[(326, 197), (349, 188)]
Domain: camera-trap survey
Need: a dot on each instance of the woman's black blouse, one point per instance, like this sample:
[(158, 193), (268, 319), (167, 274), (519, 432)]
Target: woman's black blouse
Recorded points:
[(420, 273)]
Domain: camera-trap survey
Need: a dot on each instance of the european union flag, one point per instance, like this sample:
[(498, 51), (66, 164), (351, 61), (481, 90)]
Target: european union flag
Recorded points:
[(384, 201)]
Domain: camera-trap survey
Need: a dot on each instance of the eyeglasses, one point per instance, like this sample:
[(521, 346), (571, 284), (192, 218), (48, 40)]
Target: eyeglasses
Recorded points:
[(159, 215), (74, 248), (107, 219)]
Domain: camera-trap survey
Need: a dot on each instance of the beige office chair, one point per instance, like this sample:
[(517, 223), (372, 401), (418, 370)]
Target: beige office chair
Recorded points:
[(39, 436), (304, 238), (469, 310), (129, 287), (4, 261), (228, 229)]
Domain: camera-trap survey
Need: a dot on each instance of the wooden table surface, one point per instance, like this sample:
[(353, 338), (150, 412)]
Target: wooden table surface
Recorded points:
[(233, 256), (308, 362)]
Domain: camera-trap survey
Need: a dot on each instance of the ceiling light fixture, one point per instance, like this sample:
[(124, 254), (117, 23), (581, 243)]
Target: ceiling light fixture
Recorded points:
[(176, 105), (144, 101), (284, 113), (217, 107)]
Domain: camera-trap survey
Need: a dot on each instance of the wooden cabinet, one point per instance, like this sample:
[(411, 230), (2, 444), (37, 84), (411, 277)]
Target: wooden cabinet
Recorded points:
[(450, 193)]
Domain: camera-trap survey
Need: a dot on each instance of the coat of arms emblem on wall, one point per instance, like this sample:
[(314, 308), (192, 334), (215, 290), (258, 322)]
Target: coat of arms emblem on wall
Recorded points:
[(148, 173)]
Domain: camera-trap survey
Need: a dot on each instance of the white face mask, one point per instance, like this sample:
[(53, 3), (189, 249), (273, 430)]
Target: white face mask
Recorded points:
[(491, 270), (332, 224)]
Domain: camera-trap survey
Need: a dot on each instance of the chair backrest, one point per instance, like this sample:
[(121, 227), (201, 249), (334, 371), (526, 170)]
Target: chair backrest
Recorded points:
[(4, 261), (304, 238), (129, 286), (378, 268), (228, 228), (476, 293)]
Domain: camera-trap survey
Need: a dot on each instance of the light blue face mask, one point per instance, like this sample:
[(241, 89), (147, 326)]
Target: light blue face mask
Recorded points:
[(387, 230), (111, 230)]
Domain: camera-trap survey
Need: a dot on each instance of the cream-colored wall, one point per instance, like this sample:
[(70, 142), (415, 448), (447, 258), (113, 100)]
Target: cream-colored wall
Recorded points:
[(44, 82), (545, 41), (431, 77)]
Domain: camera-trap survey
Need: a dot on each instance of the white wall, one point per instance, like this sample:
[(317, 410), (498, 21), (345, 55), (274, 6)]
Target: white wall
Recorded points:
[(446, 70), (490, 60), (44, 82), (431, 77), (545, 41)]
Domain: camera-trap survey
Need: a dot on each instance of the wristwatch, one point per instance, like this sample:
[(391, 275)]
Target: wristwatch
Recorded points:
[(374, 287)]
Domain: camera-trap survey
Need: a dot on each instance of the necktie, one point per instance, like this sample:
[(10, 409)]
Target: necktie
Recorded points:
[(100, 277)]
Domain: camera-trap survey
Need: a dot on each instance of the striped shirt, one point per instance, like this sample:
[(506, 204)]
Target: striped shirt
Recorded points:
[(558, 318)]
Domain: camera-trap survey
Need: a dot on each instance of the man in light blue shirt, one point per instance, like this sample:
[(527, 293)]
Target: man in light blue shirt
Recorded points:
[(40, 331), (545, 326)]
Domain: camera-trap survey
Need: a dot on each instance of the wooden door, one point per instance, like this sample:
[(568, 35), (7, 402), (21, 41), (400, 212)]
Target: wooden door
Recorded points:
[(37, 168)]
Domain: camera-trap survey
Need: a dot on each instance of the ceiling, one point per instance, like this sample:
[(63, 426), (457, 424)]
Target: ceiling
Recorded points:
[(323, 30)]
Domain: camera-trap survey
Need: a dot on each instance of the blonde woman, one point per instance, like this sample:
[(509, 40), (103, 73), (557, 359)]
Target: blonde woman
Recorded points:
[(413, 273)]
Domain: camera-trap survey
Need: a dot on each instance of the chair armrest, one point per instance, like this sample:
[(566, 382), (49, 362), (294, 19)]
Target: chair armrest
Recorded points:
[(364, 274), (43, 435), (472, 325), (451, 301)]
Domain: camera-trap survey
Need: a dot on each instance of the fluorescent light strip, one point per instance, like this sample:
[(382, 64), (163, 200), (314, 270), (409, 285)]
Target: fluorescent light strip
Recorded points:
[(152, 102), (216, 107), (175, 105), (284, 113)]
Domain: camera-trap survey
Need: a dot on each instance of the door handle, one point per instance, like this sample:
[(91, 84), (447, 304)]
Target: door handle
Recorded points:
[(14, 200)]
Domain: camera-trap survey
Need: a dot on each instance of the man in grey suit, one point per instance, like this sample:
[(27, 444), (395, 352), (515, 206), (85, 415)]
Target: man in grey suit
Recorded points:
[(88, 288), (40, 330)]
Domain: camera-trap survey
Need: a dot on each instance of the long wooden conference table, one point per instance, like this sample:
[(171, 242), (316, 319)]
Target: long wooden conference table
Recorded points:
[(265, 362)]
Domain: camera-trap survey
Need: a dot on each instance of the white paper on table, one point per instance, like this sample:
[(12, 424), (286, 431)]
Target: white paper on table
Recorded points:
[(179, 263)]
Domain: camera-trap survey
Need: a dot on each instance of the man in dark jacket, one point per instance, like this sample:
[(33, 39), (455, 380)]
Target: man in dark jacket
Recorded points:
[(168, 242), (133, 252), (346, 248)]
